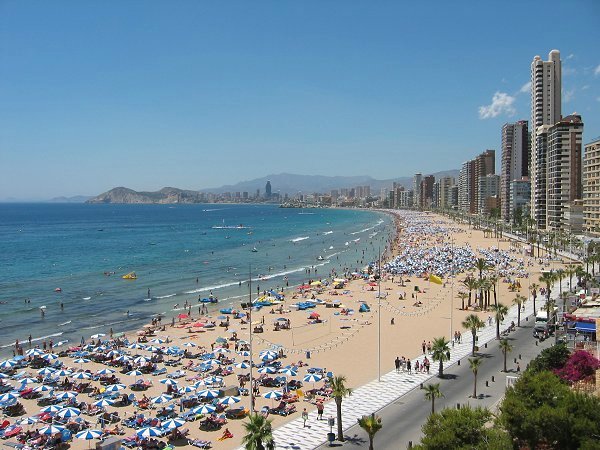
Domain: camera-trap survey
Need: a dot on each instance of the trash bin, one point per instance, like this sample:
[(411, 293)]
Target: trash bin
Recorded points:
[(307, 355), (330, 438)]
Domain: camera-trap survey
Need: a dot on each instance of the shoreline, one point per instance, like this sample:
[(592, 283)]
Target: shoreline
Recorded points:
[(339, 340)]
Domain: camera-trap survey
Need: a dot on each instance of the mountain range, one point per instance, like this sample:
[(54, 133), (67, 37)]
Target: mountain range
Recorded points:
[(283, 183)]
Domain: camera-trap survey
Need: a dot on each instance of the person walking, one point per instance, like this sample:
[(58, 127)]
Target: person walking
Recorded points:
[(424, 346), (320, 408), (397, 363), (408, 366), (304, 416)]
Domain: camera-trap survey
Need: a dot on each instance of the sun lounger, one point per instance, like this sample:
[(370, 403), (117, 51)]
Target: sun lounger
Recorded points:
[(200, 443)]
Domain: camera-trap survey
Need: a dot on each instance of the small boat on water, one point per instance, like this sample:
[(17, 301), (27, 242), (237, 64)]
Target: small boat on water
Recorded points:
[(58, 290), (320, 258), (254, 250), (130, 276)]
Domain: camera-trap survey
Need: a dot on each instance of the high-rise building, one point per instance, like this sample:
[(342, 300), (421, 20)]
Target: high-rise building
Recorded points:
[(515, 161), (546, 87), (520, 195), (563, 168), (465, 186), (417, 189), (268, 190), (426, 192), (468, 182), (487, 187), (445, 194), (591, 188)]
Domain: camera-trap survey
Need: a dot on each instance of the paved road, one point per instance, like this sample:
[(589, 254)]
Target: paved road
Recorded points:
[(402, 420)]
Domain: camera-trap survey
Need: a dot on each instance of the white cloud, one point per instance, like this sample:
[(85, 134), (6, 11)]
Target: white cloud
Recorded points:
[(568, 95), (597, 70), (525, 88), (571, 56), (566, 71), (502, 103), (585, 87)]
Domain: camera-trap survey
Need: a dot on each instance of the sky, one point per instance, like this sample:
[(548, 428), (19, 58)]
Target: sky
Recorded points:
[(197, 94)]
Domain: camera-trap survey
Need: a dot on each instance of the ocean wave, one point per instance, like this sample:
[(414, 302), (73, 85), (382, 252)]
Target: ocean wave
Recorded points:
[(328, 232), (34, 339), (298, 239), (166, 296), (64, 323), (86, 298)]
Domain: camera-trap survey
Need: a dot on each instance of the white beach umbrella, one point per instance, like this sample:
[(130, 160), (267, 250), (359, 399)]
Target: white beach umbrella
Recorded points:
[(46, 371), (25, 381), (67, 413), (63, 373), (168, 382), (229, 400), (8, 364), (96, 336), (28, 420), (161, 399), (222, 350), (105, 371), (189, 344), (43, 388), (115, 387), (113, 353), (290, 372), (312, 378), (173, 423), (152, 348), (49, 356), (123, 358), (242, 365), (81, 376), (149, 432), (267, 369), (187, 389), (81, 361), (51, 409), (244, 353), (273, 394), (135, 373), (88, 435), (208, 393), (136, 346), (103, 403), (204, 409), (158, 341), (141, 360), (8, 396), (65, 395), (51, 429), (34, 352)]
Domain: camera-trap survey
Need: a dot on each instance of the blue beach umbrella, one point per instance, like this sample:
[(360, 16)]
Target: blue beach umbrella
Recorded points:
[(43, 388), (229, 400), (149, 432), (161, 399), (66, 395), (273, 394), (189, 344), (89, 434), (63, 373), (312, 378), (168, 382), (8, 396), (136, 346), (267, 369), (288, 371), (8, 364), (213, 380), (51, 409), (51, 429), (105, 371), (81, 376), (67, 413), (204, 409), (46, 371), (103, 403), (152, 348), (115, 387), (242, 365), (158, 341), (49, 356), (28, 421), (208, 393), (173, 423), (34, 352)]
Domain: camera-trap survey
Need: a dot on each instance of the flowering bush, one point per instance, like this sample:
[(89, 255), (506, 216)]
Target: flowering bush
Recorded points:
[(579, 366)]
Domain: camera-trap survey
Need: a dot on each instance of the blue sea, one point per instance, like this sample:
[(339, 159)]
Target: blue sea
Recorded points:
[(179, 253)]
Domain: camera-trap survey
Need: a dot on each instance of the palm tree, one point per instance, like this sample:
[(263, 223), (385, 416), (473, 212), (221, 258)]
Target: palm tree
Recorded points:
[(463, 296), (560, 274), (481, 265), (570, 272), (506, 349), (259, 434), (500, 311), (534, 290), (339, 391), (432, 391), (371, 424), (440, 352), (471, 284), (473, 322), (547, 278), (474, 364), (493, 279), (519, 300)]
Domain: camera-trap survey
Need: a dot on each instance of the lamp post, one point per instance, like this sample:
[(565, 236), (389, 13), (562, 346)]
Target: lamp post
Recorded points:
[(379, 317)]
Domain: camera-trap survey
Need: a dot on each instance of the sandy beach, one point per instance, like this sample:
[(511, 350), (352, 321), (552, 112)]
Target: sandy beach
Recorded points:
[(345, 344)]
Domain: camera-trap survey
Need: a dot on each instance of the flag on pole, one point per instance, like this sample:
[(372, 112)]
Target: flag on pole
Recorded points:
[(435, 279)]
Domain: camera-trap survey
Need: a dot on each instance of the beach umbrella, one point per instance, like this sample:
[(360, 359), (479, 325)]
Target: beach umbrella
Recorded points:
[(204, 409), (244, 353), (135, 373), (162, 399), (81, 376), (168, 382), (174, 351), (34, 352), (136, 346), (81, 361), (208, 393), (28, 420), (152, 348), (105, 371), (51, 409), (273, 394), (113, 353), (8, 364), (63, 373), (88, 435), (187, 389), (123, 358), (8, 396), (213, 380), (103, 403), (229, 400), (222, 350), (51, 429), (242, 365), (267, 355), (267, 369), (115, 387), (43, 388), (158, 341), (173, 423), (46, 371), (25, 381), (290, 372), (221, 340), (65, 395), (49, 356), (97, 336), (141, 360), (312, 378), (189, 344), (2, 376), (198, 325), (67, 413), (149, 432)]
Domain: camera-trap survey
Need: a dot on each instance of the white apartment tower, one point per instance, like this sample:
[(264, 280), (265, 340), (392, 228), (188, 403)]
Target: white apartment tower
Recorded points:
[(545, 111)]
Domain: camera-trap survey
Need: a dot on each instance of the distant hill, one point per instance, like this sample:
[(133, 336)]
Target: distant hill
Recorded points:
[(286, 183), (74, 199), (283, 183), (165, 195)]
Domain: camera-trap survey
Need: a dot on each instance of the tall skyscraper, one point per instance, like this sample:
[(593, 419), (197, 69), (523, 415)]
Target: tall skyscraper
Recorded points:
[(563, 168), (515, 161), (417, 189), (591, 188), (545, 111), (268, 190)]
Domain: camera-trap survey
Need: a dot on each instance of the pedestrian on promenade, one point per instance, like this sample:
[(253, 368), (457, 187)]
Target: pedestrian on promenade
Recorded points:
[(320, 408), (408, 366), (304, 416), (424, 346), (397, 362)]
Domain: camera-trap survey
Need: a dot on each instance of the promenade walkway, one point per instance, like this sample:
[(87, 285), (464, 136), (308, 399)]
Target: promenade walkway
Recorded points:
[(375, 395)]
